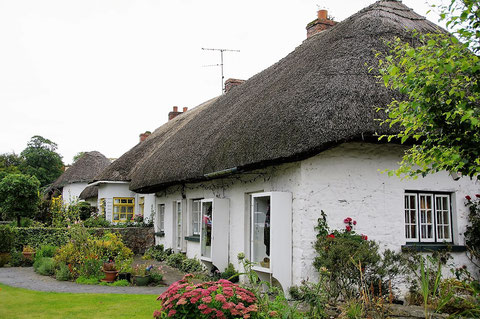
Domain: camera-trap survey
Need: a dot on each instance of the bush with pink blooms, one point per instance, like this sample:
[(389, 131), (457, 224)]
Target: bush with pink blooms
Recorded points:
[(340, 252), (214, 299)]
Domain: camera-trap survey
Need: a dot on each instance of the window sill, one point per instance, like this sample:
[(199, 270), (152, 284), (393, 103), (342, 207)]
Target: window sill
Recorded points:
[(194, 238), (160, 234), (430, 247)]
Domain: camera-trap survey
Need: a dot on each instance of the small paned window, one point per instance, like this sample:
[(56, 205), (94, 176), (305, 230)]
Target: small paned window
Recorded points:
[(123, 209), (428, 217), (161, 218), (196, 213)]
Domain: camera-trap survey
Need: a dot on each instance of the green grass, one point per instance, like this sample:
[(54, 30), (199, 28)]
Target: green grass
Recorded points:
[(23, 303)]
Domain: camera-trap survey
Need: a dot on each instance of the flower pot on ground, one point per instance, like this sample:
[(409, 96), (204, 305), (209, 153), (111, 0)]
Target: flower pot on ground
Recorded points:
[(28, 252), (110, 272), (141, 274)]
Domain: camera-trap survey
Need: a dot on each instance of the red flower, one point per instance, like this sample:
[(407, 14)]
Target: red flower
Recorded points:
[(477, 195), (468, 197), (347, 220), (348, 228), (331, 236), (364, 237), (354, 222)]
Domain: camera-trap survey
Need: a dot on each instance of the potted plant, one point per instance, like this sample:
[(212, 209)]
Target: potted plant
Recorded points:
[(7, 237), (110, 271), (141, 274), (28, 252), (125, 270)]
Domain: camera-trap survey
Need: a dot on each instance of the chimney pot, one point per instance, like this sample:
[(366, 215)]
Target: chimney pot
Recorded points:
[(175, 109), (322, 14), (231, 83), (185, 109)]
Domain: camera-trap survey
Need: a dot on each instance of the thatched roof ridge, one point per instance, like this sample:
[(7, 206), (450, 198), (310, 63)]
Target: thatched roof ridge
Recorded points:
[(318, 96), (89, 192), (123, 167), (83, 170)]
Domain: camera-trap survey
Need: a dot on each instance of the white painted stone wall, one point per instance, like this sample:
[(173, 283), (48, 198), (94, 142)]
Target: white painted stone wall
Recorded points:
[(71, 192), (111, 190), (344, 182)]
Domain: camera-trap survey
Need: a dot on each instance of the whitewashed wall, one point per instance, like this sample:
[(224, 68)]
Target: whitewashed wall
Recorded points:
[(111, 190), (344, 182), (71, 192)]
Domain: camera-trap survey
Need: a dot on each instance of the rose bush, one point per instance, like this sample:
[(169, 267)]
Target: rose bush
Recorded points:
[(214, 299)]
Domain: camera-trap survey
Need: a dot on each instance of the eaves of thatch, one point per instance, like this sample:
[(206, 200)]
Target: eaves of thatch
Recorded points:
[(83, 170), (320, 95), (89, 192)]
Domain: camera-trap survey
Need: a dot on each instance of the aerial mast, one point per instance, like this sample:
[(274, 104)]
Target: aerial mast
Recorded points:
[(221, 61)]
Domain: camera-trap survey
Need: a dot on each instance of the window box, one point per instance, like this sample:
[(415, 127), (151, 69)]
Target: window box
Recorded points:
[(431, 247), (194, 238)]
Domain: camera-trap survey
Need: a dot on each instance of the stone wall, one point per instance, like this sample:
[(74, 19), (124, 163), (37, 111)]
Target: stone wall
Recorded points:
[(138, 239)]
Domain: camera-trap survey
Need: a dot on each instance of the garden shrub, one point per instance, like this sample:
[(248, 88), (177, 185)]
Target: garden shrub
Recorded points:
[(7, 238), (88, 280), (222, 299), (63, 273), (350, 261), (313, 295), (46, 251), (117, 283), (84, 251), (45, 266), (176, 260), (38, 236), (91, 267), (191, 265), (97, 222), (229, 274), (17, 259), (156, 252)]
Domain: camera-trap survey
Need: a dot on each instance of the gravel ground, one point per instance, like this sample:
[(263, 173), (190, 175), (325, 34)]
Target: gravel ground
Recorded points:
[(25, 277)]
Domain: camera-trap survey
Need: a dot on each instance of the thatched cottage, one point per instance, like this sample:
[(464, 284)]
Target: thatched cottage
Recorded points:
[(74, 180), (251, 170)]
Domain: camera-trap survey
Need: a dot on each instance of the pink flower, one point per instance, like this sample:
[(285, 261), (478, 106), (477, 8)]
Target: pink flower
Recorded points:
[(468, 197), (220, 298), (181, 301), (171, 312), (273, 313), (157, 314), (202, 306), (207, 311), (207, 299), (348, 228)]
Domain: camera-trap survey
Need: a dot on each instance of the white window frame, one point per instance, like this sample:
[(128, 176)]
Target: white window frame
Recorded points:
[(178, 225), (437, 213), (196, 217), (161, 217)]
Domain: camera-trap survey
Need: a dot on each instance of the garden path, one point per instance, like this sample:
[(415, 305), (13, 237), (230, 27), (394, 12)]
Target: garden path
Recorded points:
[(25, 277)]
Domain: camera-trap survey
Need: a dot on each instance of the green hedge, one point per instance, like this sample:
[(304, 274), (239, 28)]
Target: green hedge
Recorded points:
[(135, 238)]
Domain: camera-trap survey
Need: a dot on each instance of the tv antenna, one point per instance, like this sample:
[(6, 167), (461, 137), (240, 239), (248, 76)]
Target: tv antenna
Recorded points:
[(221, 61)]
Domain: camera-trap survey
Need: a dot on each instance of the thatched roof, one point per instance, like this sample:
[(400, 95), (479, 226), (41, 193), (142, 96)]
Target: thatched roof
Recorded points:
[(89, 192), (318, 96), (83, 170), (123, 167)]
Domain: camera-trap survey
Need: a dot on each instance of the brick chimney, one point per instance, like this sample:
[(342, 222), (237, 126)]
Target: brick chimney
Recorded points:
[(320, 24), (231, 83), (175, 113), (144, 136)]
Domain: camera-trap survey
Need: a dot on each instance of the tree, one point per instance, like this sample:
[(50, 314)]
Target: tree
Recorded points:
[(19, 195), (439, 77), (9, 164), (42, 160)]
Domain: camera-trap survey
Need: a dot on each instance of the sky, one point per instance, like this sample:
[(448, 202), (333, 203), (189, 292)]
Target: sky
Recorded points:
[(94, 74)]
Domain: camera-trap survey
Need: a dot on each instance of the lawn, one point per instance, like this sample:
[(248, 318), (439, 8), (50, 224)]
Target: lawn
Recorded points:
[(23, 303)]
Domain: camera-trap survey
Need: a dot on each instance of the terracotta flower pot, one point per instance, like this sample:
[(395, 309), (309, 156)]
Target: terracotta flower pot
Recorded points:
[(28, 255), (110, 275)]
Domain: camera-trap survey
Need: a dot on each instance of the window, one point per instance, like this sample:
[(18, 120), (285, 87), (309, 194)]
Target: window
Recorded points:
[(161, 218), (428, 217), (260, 235), (207, 223), (196, 212), (179, 230), (103, 208), (141, 205), (123, 209)]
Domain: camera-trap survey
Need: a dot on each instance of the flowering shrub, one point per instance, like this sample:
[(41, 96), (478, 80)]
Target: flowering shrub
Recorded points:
[(340, 252), (219, 299)]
